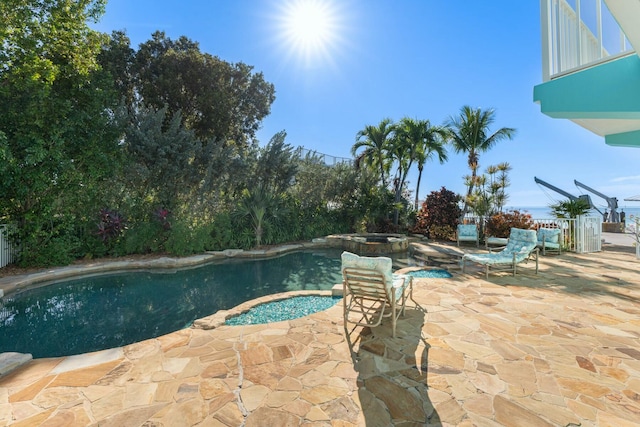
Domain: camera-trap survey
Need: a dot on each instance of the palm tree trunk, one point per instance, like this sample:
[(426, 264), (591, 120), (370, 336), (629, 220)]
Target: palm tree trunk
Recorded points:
[(258, 235), (418, 187), (402, 177), (473, 165)]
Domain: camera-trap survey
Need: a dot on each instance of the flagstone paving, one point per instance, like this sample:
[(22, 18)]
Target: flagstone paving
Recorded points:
[(560, 348)]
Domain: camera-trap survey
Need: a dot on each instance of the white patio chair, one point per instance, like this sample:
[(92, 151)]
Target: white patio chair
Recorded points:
[(550, 240), (467, 233), (371, 291)]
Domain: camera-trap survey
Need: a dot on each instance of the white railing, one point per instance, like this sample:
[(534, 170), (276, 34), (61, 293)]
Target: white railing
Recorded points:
[(588, 234), (581, 235), (578, 34), (637, 236), (8, 252)]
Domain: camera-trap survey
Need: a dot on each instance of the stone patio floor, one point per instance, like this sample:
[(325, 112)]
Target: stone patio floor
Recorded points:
[(561, 348)]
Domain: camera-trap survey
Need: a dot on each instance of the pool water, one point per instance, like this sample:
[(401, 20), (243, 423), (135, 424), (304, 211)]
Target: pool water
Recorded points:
[(286, 309), (99, 312), (430, 274)]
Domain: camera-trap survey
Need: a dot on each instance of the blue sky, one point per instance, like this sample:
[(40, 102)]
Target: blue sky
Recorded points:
[(423, 59)]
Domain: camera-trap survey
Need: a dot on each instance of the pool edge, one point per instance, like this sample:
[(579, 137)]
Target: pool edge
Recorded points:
[(219, 318)]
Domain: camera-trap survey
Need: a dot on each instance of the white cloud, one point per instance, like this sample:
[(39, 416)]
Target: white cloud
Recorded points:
[(626, 178)]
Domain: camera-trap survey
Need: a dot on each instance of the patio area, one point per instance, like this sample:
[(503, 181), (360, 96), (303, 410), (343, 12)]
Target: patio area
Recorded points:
[(559, 348)]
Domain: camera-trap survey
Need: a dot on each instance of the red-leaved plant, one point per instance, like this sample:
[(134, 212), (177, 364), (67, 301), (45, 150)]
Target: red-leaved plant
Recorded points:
[(439, 214), (162, 215), (500, 224), (111, 225)]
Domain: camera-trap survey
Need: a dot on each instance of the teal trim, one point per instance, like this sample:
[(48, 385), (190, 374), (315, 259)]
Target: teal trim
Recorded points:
[(607, 91), (625, 139)]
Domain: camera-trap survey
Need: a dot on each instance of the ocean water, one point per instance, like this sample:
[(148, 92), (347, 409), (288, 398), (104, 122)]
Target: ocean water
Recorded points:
[(631, 210)]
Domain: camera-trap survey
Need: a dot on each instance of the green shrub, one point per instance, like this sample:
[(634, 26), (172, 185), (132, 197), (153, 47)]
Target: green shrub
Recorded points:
[(225, 231), (54, 243), (56, 250), (141, 238), (187, 240)]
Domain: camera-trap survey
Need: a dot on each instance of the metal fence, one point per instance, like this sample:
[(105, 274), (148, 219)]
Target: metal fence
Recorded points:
[(581, 235), (8, 252), (324, 158), (588, 234), (637, 235)]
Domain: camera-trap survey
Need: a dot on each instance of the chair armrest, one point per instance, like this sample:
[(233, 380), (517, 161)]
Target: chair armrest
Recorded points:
[(397, 283)]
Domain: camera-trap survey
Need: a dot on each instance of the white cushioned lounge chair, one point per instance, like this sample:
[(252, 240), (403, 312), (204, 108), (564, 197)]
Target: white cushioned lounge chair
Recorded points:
[(521, 246), (371, 291)]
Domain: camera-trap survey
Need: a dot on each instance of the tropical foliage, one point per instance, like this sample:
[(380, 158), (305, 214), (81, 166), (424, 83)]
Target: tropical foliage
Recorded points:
[(399, 145), (108, 150), (438, 217), (376, 141), (570, 208), (500, 224), (470, 134), (489, 190), (56, 136)]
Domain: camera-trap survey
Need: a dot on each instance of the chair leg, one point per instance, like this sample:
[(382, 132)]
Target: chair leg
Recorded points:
[(404, 297), (393, 317), (345, 312), (411, 292)]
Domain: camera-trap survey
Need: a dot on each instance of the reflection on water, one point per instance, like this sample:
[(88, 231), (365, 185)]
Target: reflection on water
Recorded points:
[(99, 312)]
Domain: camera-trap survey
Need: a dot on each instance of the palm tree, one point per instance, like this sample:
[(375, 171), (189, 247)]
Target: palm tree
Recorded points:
[(375, 139), (469, 133), (402, 152), (570, 208), (260, 205), (500, 183), (432, 142)]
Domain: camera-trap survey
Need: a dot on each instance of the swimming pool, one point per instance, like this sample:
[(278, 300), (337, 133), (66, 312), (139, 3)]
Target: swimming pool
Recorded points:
[(286, 309), (99, 312), (435, 273)]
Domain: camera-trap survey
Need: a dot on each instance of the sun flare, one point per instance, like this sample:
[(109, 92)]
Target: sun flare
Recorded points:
[(308, 23), (309, 28)]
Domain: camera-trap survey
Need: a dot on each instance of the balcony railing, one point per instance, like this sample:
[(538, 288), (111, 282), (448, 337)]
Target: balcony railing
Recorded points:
[(577, 34)]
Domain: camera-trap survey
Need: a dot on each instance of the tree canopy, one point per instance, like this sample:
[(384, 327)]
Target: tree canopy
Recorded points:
[(57, 135), (108, 150), (219, 101)]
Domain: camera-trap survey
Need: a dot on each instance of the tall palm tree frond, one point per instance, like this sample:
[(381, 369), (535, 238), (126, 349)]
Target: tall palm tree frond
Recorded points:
[(376, 140), (469, 133)]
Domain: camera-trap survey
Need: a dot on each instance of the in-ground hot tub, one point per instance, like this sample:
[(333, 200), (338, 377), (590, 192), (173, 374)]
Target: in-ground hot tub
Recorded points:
[(371, 243)]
